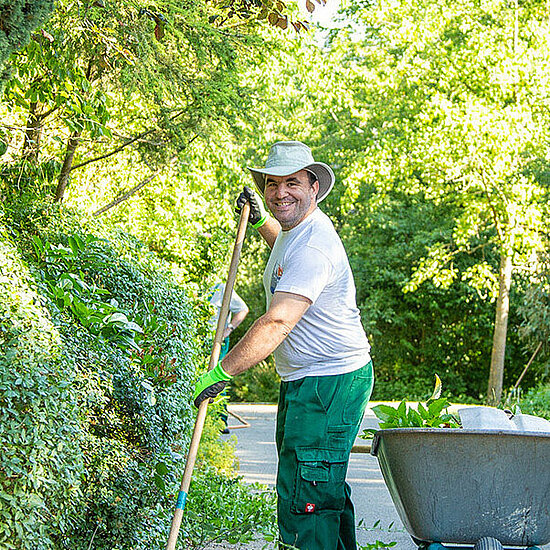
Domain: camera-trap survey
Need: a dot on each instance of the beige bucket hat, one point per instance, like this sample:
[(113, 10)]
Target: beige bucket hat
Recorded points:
[(288, 157)]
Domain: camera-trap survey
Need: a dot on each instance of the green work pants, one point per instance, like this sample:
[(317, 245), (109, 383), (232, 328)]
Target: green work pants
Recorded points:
[(317, 422)]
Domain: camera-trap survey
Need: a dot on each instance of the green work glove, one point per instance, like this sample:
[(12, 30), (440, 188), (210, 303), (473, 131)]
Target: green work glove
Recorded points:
[(258, 215), (210, 384)]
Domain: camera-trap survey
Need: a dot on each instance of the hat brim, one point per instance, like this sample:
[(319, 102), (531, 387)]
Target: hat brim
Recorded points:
[(323, 171)]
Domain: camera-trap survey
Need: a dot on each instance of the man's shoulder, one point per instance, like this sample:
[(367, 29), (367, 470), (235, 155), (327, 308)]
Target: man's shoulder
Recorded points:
[(321, 232)]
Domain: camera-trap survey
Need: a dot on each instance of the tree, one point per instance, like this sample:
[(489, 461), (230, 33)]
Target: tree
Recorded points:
[(94, 54), (18, 18), (173, 66), (451, 105)]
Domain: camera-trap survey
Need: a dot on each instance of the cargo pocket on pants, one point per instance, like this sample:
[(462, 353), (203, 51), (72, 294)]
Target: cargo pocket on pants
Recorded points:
[(320, 478)]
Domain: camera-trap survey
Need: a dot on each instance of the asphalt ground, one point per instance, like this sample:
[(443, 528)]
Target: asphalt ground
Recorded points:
[(376, 517)]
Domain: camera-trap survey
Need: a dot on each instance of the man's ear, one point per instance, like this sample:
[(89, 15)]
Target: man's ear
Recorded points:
[(315, 187)]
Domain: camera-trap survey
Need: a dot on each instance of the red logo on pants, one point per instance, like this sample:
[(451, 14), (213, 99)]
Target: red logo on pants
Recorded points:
[(310, 508)]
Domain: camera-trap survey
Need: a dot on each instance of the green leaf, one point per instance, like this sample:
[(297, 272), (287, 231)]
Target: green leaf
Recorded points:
[(435, 407), (414, 419), (38, 246), (402, 410), (384, 412), (147, 385), (161, 468), (133, 327), (116, 318), (423, 412), (368, 433), (159, 482)]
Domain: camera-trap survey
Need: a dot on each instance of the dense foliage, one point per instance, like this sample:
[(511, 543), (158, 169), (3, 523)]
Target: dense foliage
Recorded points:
[(438, 220), (537, 401), (40, 453), (435, 119), (18, 19), (101, 350)]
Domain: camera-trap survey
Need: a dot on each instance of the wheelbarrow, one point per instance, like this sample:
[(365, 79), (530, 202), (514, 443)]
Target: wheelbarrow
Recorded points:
[(463, 489)]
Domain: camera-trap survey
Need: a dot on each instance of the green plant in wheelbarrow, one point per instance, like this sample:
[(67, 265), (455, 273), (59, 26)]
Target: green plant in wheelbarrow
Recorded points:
[(433, 414)]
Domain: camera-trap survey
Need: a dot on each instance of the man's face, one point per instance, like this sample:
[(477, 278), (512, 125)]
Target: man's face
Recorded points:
[(290, 198)]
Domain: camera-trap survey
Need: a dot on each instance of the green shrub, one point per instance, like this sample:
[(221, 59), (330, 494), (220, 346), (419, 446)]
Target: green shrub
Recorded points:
[(129, 332), (259, 384), (40, 451), (537, 401), (232, 513), (117, 346)]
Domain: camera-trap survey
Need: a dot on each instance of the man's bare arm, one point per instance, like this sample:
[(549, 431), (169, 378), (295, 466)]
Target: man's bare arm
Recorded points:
[(236, 320), (266, 333), (269, 230)]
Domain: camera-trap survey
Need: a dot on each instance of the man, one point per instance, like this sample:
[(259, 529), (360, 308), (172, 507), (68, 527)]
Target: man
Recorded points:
[(313, 327), (238, 310)]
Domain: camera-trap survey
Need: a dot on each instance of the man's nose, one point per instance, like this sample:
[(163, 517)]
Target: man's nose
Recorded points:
[(281, 190)]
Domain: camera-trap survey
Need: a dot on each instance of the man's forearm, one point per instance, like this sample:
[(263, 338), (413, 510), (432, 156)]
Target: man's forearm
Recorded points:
[(261, 339), (239, 317)]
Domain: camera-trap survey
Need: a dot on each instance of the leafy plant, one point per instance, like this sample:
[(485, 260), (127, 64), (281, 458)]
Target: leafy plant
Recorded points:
[(40, 441), (61, 268), (107, 421), (232, 512), (378, 544), (434, 414), (537, 401)]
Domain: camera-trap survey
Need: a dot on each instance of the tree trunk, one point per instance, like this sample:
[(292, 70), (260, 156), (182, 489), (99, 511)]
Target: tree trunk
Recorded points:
[(66, 169), (33, 132), (496, 374)]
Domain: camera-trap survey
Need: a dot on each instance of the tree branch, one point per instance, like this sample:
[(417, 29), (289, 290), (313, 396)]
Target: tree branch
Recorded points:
[(132, 191), (491, 206), (125, 144), (516, 385), (126, 195), (114, 151)]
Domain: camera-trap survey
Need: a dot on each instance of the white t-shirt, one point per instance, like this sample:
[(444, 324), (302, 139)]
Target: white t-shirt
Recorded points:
[(236, 304), (310, 260)]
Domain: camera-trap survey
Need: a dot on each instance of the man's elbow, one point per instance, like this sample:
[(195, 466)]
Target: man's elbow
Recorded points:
[(277, 325)]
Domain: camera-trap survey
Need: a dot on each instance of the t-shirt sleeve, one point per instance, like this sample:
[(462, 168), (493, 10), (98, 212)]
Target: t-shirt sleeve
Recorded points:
[(237, 303), (306, 273)]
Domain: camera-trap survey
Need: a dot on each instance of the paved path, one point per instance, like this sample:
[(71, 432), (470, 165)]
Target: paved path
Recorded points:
[(375, 512)]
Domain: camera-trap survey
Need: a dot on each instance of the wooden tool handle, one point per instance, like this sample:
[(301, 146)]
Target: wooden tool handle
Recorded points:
[(214, 357)]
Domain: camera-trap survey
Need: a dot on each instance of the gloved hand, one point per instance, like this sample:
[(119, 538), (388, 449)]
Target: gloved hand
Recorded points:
[(210, 384), (258, 215)]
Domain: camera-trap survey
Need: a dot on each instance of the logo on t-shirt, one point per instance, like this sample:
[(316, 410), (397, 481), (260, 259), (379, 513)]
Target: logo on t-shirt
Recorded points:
[(276, 275)]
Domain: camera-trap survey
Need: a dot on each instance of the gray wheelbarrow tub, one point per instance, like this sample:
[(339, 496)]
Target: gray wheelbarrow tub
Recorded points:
[(457, 485)]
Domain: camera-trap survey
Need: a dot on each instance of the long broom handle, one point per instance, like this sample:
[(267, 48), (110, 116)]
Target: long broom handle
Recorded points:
[(214, 356)]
